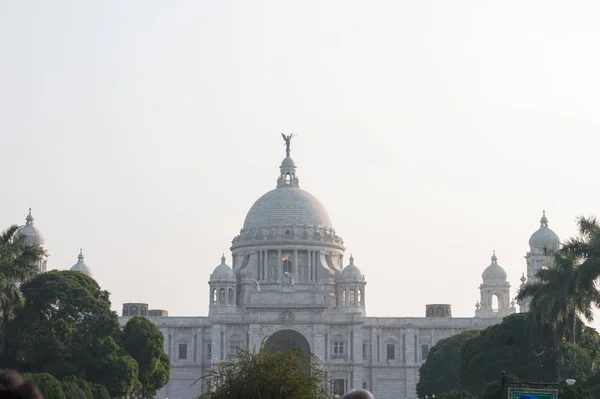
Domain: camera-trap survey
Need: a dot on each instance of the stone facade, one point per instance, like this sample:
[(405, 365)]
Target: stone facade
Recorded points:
[(288, 285)]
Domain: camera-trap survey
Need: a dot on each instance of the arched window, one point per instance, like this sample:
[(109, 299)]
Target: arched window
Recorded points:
[(495, 302), (287, 178), (360, 297), (287, 266), (343, 297), (222, 296), (143, 311), (230, 299), (352, 297), (134, 311), (214, 296), (430, 312), (125, 311)]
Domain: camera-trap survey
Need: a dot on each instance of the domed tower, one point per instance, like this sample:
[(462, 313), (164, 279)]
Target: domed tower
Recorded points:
[(33, 236), (351, 288), (496, 289), (80, 266), (542, 244), (287, 254), (222, 289)]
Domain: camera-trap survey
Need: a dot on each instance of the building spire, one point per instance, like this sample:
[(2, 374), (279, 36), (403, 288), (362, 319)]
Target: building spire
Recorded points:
[(80, 256), (544, 220), (29, 218), (287, 170), (223, 259), (494, 257)]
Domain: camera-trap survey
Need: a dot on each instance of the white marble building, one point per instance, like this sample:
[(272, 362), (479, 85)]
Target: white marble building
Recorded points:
[(289, 282)]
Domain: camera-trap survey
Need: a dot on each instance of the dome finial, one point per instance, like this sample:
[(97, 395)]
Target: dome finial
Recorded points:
[(223, 259), (29, 218), (494, 257), (80, 257), (523, 279), (544, 220), (351, 259), (288, 142)]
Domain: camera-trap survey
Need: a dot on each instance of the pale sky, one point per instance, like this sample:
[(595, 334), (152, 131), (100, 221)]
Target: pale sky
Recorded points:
[(433, 131)]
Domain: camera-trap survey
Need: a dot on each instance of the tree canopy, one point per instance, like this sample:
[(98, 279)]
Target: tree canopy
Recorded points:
[(18, 261), (267, 374), (66, 328), (440, 372), (145, 343)]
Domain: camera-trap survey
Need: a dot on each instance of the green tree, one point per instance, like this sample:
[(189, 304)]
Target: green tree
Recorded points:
[(17, 266), (145, 343), (559, 300), (266, 374), (456, 394), (99, 391), (440, 371), (83, 385), (66, 328), (50, 387), (574, 392), (505, 346)]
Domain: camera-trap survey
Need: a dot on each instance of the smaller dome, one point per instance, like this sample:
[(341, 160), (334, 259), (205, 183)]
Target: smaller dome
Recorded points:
[(544, 237), (80, 266), (222, 272), (351, 272), (31, 233), (288, 163), (494, 272)]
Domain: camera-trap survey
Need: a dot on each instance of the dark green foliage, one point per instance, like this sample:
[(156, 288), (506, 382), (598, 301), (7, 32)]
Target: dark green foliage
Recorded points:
[(50, 387), (99, 391), (492, 391), (72, 390), (18, 262), (574, 392), (440, 371), (66, 328), (145, 343), (505, 346), (264, 374), (456, 394), (83, 385)]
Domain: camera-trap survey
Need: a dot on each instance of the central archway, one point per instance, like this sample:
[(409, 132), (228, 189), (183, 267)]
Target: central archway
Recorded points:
[(287, 340)]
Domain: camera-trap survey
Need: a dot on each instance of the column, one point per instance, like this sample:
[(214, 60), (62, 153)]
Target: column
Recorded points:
[(309, 261), (258, 266), (295, 269), (279, 270), (265, 265)]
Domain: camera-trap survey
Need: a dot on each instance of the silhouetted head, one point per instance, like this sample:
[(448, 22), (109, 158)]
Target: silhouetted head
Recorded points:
[(14, 386), (359, 394)]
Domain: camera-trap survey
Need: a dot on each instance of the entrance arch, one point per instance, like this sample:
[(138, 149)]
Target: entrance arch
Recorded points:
[(287, 340)]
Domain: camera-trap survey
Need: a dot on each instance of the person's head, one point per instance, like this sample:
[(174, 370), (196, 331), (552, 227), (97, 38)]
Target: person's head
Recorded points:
[(14, 386), (359, 394)]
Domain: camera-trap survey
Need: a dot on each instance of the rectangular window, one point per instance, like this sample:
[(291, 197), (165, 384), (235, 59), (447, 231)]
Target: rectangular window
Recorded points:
[(338, 350), (391, 352), (182, 351), (208, 351), (424, 352), (365, 385), (364, 350), (339, 387)]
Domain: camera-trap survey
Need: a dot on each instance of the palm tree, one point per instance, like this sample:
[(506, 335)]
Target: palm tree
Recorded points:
[(559, 300), (586, 248), (18, 262)]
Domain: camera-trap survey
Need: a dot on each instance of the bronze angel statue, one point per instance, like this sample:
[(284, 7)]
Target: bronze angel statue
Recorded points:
[(288, 141)]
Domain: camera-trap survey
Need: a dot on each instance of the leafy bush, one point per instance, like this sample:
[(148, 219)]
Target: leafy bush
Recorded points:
[(50, 387)]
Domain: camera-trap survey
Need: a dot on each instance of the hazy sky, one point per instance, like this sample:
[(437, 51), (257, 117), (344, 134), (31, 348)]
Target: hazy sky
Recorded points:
[(433, 131)]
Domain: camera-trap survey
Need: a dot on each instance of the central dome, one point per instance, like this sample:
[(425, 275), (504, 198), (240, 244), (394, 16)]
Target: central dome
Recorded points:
[(287, 206)]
